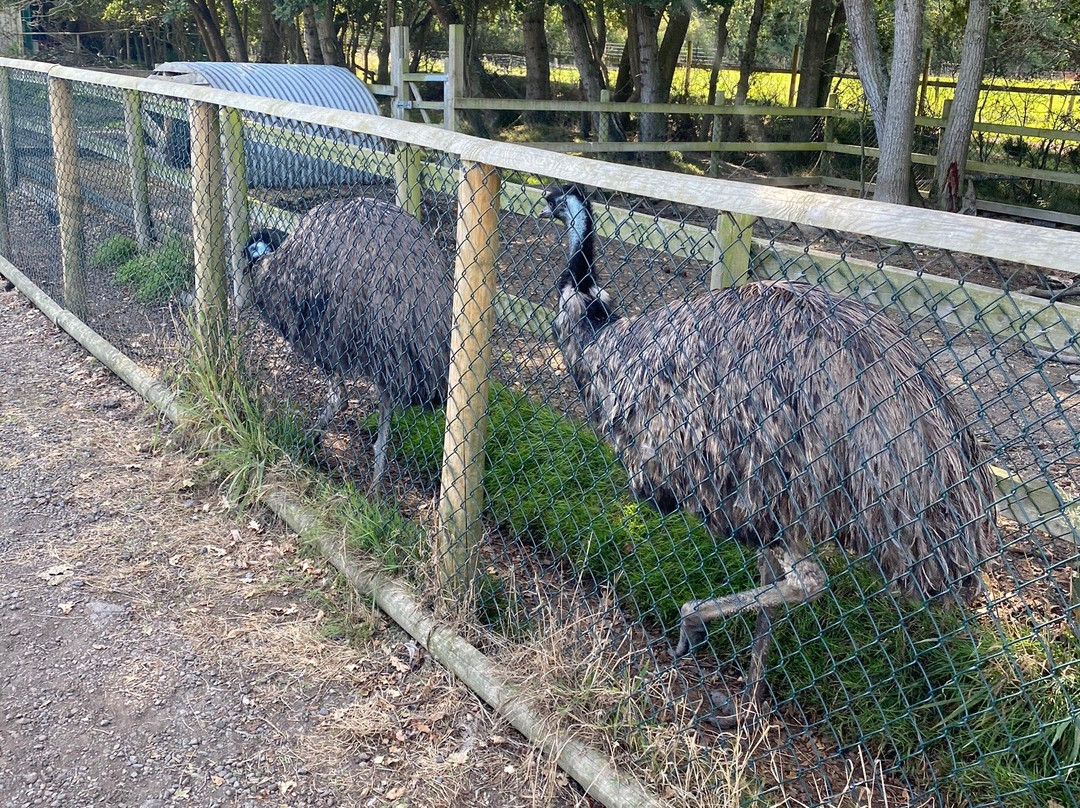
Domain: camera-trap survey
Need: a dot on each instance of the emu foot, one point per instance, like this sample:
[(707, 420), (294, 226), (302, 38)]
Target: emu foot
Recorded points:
[(692, 631), (730, 712)]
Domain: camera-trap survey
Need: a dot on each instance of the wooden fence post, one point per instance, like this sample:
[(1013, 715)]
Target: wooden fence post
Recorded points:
[(407, 179), (237, 220), (603, 130), (207, 226), (68, 194), (946, 111), (460, 527), (717, 133), (399, 55), (731, 253), (454, 87), (828, 135), (136, 154), (8, 159), (7, 123)]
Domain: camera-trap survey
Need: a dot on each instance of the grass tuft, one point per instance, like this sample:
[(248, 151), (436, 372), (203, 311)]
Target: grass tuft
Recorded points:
[(114, 252), (159, 274)]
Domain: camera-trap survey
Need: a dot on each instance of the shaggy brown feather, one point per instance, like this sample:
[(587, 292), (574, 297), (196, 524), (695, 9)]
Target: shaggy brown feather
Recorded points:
[(786, 417)]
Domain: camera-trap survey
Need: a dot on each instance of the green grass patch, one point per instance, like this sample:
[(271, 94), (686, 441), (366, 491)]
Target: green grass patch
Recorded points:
[(158, 274), (114, 252)]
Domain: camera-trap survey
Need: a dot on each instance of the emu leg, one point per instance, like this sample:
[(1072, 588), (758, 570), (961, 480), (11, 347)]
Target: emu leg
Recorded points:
[(382, 440), (798, 581), (767, 564), (335, 403)]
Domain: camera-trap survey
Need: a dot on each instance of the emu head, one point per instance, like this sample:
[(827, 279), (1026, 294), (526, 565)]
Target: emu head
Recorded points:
[(570, 205), (262, 243)]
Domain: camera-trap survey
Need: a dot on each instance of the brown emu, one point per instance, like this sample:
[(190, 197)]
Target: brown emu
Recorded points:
[(360, 288), (783, 416)]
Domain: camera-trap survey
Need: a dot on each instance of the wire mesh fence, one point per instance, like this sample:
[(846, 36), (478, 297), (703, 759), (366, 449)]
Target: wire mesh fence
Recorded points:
[(776, 479)]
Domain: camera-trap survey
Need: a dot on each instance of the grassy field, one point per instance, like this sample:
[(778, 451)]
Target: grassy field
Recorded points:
[(1011, 105)]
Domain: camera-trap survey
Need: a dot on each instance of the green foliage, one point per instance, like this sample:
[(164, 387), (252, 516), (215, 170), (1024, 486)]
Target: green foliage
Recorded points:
[(551, 480), (114, 252), (158, 274)]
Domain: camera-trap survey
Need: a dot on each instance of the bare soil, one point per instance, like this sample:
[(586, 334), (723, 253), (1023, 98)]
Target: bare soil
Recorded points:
[(157, 647)]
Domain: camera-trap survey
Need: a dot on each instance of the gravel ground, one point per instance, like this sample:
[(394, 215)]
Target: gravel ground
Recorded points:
[(160, 648)]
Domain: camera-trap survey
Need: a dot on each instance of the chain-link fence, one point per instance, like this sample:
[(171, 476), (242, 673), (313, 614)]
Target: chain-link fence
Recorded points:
[(839, 471)]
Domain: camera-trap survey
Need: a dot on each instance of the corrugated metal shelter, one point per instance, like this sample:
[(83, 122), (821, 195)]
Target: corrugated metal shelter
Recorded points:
[(269, 164)]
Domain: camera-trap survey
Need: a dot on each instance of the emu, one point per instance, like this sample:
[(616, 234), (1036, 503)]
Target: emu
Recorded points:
[(360, 288), (785, 417)]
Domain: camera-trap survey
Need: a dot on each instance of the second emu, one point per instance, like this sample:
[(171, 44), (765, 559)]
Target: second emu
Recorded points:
[(785, 417), (359, 288)]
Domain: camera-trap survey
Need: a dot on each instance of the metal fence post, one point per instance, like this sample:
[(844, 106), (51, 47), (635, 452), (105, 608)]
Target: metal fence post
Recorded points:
[(207, 224), (136, 143), (731, 256), (68, 194), (399, 54), (237, 223), (460, 528)]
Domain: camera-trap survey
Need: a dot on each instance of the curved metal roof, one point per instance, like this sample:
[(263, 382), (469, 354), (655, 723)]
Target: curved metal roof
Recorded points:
[(269, 164), (320, 85)]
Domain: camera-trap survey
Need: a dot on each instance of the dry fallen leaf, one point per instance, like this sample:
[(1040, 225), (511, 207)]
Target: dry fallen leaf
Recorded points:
[(286, 787), (458, 758), (56, 574), (65, 608)]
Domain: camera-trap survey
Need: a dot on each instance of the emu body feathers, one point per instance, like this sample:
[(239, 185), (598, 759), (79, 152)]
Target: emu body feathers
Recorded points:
[(786, 417), (359, 288)]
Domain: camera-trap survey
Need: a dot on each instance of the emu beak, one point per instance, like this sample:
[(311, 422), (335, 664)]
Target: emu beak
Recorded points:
[(546, 212)]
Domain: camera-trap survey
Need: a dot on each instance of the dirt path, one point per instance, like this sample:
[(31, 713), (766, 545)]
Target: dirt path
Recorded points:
[(158, 648)]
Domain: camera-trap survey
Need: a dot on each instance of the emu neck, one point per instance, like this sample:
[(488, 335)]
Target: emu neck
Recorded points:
[(584, 308), (580, 268)]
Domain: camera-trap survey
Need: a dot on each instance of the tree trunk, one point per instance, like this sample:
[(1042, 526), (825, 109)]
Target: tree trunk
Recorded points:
[(382, 76), (720, 44), (674, 36), (311, 36), (271, 48), (328, 41), (832, 53), (537, 57), (812, 64), (583, 44), (651, 125), (735, 128), (895, 138), (209, 31), (236, 31), (866, 49), (952, 154)]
